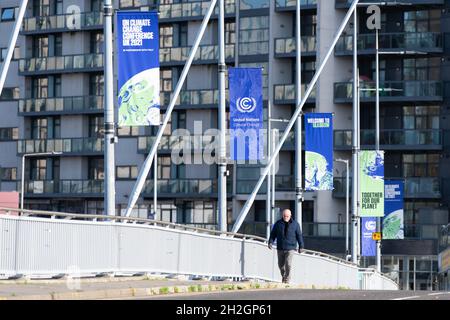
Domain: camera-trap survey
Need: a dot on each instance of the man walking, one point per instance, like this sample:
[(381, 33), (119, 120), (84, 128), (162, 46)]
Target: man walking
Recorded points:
[(288, 234)]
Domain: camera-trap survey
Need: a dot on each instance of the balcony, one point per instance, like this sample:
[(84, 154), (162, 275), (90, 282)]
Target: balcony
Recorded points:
[(282, 184), (397, 139), (63, 23), (430, 42), (63, 105), (192, 10), (345, 4), (290, 5), (391, 91), (61, 64), (287, 47), (64, 188), (206, 54), (169, 143), (185, 188), (286, 94), (415, 187), (68, 146), (198, 99)]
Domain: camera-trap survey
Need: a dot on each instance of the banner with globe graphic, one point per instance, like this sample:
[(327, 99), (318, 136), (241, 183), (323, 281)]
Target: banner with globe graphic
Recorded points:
[(246, 114), (393, 221), (368, 245), (138, 68), (318, 151), (372, 183)]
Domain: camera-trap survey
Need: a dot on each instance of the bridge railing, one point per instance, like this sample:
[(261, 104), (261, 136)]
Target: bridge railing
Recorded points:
[(53, 243)]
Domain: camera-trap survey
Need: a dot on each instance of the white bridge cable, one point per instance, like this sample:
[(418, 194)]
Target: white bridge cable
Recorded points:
[(240, 219)]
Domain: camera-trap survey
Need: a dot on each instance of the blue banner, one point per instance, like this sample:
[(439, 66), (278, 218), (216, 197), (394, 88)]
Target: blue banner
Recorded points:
[(393, 221), (368, 245), (246, 114), (318, 151), (138, 68)]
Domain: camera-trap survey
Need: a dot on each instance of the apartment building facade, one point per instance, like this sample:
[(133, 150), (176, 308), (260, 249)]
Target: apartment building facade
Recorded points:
[(53, 101)]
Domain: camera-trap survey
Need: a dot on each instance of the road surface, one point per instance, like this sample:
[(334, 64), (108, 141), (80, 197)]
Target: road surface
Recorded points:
[(301, 294)]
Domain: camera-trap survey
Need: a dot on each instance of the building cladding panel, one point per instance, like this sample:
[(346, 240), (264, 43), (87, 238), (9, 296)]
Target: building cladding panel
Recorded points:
[(62, 108)]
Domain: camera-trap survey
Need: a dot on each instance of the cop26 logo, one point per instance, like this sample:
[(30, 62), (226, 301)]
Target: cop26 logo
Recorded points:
[(371, 225), (246, 104)]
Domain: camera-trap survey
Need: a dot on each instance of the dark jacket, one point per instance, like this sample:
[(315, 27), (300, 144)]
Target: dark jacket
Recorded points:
[(286, 239)]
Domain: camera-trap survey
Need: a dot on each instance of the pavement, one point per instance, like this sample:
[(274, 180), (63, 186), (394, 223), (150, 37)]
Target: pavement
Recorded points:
[(116, 288), (162, 288)]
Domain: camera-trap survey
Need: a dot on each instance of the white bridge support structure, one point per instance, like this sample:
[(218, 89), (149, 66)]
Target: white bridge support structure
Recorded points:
[(58, 243)]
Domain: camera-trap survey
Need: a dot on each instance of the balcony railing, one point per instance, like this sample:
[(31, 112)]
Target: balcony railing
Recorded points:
[(421, 41), (64, 22), (291, 4), (85, 188), (282, 183), (391, 91), (62, 105), (68, 145), (169, 143), (287, 47), (207, 97), (189, 187), (192, 10), (391, 139), (207, 53), (415, 187), (286, 94), (68, 63), (347, 3)]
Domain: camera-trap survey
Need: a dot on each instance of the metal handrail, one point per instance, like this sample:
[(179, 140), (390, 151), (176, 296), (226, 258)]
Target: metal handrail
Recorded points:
[(95, 217), (26, 212)]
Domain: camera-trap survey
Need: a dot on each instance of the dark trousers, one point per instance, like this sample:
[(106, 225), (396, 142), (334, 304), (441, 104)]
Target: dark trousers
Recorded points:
[(285, 263)]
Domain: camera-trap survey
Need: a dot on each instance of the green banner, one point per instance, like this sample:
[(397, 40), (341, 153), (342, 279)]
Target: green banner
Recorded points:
[(371, 172)]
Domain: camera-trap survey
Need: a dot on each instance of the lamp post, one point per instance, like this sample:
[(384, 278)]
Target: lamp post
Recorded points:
[(22, 185), (347, 202)]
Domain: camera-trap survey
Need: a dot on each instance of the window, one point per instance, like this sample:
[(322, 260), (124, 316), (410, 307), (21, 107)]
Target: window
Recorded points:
[(46, 128), (8, 174), (58, 45), (4, 51), (128, 131), (254, 35), (421, 165), (230, 32), (9, 94), (96, 5), (166, 36), (95, 207), (96, 124), (198, 212), (43, 169), (166, 80), (8, 14), (96, 85), (39, 87), (136, 3), (421, 117), (40, 47), (422, 69), (41, 8), (422, 21), (126, 172), (96, 169), (38, 169), (9, 134), (254, 4), (96, 42)]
